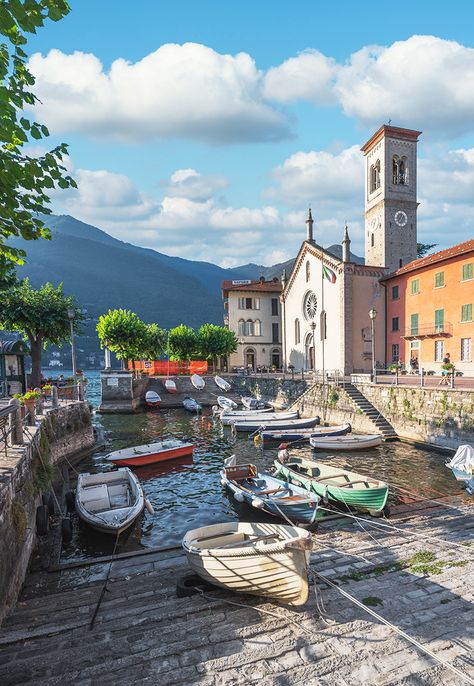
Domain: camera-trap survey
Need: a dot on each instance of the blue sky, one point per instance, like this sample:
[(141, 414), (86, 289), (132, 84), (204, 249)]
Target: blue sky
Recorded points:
[(215, 129)]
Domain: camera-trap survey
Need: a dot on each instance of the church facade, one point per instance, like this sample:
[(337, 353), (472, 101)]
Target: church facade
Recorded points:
[(331, 306)]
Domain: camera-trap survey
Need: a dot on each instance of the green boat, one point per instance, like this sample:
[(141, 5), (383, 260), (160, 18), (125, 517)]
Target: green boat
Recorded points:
[(338, 485)]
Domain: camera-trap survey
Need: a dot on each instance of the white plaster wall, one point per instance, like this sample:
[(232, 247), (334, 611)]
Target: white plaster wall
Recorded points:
[(262, 345)]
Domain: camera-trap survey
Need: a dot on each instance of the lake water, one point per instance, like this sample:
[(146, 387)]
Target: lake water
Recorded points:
[(187, 493)]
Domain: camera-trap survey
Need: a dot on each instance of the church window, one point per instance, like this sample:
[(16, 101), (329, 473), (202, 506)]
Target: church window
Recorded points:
[(241, 327), (310, 305), (297, 331), (400, 171), (250, 327), (308, 271), (257, 327)]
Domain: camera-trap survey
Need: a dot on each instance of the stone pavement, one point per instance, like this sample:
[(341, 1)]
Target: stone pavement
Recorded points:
[(144, 634)]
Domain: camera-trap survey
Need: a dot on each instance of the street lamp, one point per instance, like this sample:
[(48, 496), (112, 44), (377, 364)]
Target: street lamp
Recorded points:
[(372, 315), (71, 316)]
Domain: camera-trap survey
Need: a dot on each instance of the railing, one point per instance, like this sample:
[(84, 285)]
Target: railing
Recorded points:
[(398, 376), (428, 330)]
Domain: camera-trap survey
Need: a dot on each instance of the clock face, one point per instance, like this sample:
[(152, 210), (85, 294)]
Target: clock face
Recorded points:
[(401, 218), (310, 306)]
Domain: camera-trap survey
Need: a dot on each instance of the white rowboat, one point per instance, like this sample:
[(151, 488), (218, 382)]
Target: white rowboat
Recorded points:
[(109, 501), (170, 385), (198, 382), (253, 404), (352, 442), (226, 403), (152, 399), (222, 384), (256, 418), (268, 560)]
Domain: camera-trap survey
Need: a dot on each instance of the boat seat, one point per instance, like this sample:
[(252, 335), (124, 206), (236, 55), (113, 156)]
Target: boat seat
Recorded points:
[(119, 495), (95, 498)]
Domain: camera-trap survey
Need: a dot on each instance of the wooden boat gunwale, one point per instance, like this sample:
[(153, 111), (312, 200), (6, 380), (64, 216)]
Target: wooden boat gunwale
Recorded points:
[(351, 442)]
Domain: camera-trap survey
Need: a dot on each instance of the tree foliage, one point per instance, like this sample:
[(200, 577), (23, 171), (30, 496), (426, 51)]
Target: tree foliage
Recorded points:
[(215, 341), (423, 248), (182, 342), (26, 179), (124, 333), (41, 315), (154, 344)]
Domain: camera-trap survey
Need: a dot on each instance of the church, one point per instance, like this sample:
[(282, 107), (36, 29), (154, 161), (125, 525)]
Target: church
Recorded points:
[(333, 310)]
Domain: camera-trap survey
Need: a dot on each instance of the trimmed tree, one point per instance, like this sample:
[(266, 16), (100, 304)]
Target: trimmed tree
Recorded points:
[(41, 315), (124, 333), (26, 179), (182, 342), (154, 344), (215, 341)]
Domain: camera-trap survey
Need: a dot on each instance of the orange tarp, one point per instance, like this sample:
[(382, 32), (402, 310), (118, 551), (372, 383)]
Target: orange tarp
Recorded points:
[(165, 368)]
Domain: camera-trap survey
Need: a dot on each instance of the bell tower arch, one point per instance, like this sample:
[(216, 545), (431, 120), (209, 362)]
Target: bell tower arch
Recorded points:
[(390, 197)]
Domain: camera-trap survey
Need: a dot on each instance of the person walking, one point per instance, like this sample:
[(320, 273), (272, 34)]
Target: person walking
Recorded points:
[(446, 369)]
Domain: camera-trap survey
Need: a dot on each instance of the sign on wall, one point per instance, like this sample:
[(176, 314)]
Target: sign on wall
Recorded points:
[(112, 381), (241, 282)]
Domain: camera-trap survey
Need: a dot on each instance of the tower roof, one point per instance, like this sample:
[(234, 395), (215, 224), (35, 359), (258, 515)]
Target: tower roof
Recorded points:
[(393, 132)]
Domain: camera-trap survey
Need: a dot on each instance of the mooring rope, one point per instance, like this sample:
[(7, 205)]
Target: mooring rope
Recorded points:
[(104, 587), (419, 497)]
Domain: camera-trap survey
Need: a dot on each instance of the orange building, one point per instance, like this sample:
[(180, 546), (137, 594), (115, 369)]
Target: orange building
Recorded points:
[(429, 310)]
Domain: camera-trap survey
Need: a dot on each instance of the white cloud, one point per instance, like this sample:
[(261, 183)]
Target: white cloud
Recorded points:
[(308, 76), (187, 91), (188, 183)]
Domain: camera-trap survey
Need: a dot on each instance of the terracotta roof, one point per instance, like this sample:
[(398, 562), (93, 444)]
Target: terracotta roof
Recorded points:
[(441, 256), (273, 286)]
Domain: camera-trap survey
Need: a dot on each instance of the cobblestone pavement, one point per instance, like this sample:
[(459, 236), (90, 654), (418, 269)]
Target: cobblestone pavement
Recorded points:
[(144, 634)]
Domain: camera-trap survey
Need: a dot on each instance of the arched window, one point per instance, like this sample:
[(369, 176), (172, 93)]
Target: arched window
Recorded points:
[(374, 176), (241, 327), (308, 271), (250, 327), (297, 331), (400, 171), (257, 327), (372, 240)]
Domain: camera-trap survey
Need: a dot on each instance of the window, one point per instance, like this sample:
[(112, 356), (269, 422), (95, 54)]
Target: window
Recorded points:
[(374, 181), (241, 303), (400, 171), (439, 351), (297, 331), (439, 279), (249, 327), (275, 333), (372, 240), (395, 324), (415, 286), (466, 349), (466, 313), (308, 271), (256, 303), (395, 294), (439, 321), (395, 352), (467, 272), (241, 327), (274, 307), (248, 303), (257, 327), (414, 325)]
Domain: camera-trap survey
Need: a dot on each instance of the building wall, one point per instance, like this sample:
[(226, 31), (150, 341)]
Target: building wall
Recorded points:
[(450, 297), (367, 294)]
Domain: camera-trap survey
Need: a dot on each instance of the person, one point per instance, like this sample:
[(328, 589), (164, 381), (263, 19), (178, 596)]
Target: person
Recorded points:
[(445, 370), (413, 364)]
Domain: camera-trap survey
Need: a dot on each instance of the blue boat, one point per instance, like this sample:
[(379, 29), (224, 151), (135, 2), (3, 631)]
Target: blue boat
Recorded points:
[(269, 494), (289, 435)]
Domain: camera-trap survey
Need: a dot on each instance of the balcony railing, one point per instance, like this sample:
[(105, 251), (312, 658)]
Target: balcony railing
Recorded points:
[(433, 330)]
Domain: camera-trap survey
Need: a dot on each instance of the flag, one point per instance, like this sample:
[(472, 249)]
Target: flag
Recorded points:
[(329, 274)]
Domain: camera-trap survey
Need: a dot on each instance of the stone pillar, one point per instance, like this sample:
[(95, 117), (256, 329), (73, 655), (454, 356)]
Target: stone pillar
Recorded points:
[(16, 425), (80, 388), (39, 402), (54, 397)]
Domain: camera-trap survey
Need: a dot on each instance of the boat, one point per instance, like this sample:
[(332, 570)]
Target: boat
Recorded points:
[(334, 483), (235, 414), (269, 560), (226, 403), (150, 453), (170, 385), (198, 382), (252, 425), (109, 501), (253, 404), (222, 384), (269, 494), (191, 405), (462, 466), (230, 416), (268, 435), (152, 399), (353, 442)]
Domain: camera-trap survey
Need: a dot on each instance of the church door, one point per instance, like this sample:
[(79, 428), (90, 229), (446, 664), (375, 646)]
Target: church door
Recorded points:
[(309, 352)]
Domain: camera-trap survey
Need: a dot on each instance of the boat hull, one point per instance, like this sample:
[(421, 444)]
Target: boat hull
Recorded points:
[(276, 571), (276, 424), (153, 458), (305, 434), (345, 442)]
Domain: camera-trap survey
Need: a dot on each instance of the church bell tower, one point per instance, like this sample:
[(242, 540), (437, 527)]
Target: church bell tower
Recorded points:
[(390, 197)]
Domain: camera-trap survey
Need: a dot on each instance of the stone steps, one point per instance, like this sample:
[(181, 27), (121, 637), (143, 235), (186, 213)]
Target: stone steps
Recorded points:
[(371, 412)]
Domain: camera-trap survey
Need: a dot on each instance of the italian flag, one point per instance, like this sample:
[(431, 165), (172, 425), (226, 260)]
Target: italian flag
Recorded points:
[(329, 274)]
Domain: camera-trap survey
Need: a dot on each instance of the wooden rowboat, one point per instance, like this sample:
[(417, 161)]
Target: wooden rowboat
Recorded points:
[(222, 383), (109, 501), (151, 453), (268, 435), (152, 399), (270, 423), (269, 560), (352, 442), (198, 382), (170, 385), (226, 403), (338, 485)]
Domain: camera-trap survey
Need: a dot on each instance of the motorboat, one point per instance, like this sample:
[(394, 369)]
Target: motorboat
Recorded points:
[(170, 385), (269, 494), (222, 384), (462, 466), (269, 560), (352, 442), (152, 399), (334, 483), (109, 501), (270, 423), (198, 382), (150, 453), (191, 405), (253, 404), (270, 435), (226, 403)]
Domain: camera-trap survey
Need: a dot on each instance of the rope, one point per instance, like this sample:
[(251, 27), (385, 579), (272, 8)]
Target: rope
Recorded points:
[(406, 636), (104, 587), (394, 488)]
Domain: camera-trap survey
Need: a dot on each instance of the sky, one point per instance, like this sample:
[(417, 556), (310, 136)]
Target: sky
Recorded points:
[(206, 129)]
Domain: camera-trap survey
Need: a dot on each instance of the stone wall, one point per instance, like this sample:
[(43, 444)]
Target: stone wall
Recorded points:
[(121, 393), (25, 473), (281, 391)]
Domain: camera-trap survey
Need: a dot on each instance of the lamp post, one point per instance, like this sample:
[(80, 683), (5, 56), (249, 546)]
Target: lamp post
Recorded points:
[(313, 327), (372, 315), (71, 316)]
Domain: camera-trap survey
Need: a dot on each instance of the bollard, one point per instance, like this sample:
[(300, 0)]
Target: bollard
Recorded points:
[(54, 397), (422, 377), (452, 379), (80, 388), (16, 426)]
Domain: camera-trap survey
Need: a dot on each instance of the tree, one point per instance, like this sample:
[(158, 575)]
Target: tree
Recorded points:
[(423, 248), (26, 179), (124, 333), (182, 342), (8, 277), (215, 341), (41, 315), (154, 344)]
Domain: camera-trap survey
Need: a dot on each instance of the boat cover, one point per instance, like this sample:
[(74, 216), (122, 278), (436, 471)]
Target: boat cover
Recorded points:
[(463, 459)]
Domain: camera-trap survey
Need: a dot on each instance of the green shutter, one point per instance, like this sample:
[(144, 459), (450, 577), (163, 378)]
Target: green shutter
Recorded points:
[(467, 271), (466, 313), (414, 325), (439, 321), (414, 287), (439, 279)]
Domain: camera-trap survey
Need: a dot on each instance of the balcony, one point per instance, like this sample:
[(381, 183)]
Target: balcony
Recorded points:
[(429, 331)]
